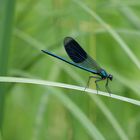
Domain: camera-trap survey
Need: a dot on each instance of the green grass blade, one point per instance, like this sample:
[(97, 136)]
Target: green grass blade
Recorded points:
[(39, 116), (110, 117), (91, 129), (55, 84), (114, 34), (5, 39)]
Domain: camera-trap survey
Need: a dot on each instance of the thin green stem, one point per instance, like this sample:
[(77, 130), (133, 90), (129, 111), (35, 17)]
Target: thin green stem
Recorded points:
[(61, 85), (6, 31)]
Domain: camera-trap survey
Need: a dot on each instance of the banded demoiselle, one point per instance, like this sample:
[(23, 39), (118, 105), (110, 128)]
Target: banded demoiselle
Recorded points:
[(83, 61)]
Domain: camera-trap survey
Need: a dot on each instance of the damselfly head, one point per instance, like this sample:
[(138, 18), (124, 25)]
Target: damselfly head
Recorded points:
[(110, 77)]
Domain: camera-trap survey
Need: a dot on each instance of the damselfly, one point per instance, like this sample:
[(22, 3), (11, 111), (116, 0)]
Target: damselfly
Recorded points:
[(83, 61)]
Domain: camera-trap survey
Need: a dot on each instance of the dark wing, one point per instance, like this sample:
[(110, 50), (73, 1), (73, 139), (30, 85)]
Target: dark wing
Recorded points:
[(79, 56)]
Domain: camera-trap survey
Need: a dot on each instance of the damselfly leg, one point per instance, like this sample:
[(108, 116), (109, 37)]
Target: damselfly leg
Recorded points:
[(107, 87), (96, 82)]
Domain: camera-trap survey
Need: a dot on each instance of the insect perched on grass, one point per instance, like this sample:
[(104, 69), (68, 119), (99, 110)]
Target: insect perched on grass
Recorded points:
[(83, 61)]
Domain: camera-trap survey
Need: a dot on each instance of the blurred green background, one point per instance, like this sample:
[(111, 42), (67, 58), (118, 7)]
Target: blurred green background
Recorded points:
[(29, 112)]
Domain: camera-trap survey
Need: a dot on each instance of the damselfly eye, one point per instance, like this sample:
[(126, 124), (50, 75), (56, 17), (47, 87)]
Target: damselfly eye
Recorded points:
[(110, 77)]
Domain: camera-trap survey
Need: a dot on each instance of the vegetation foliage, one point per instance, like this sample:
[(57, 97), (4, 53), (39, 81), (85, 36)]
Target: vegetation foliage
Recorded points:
[(108, 30)]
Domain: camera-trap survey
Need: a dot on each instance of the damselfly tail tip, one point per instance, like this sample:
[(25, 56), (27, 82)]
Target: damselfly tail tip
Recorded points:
[(43, 51)]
